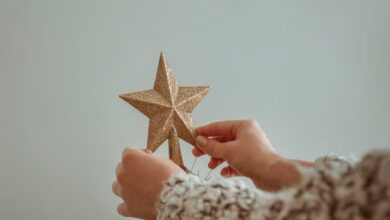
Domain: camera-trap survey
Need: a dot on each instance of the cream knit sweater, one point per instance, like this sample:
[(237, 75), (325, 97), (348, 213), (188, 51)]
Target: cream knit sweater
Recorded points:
[(334, 189)]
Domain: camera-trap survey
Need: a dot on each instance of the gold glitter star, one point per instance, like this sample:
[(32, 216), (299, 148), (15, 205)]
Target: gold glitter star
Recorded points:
[(168, 107)]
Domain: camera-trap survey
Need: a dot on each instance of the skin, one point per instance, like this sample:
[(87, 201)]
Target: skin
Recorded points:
[(248, 152), (139, 179), (240, 143)]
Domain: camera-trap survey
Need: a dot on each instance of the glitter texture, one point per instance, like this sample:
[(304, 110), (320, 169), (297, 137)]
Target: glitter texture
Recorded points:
[(168, 107)]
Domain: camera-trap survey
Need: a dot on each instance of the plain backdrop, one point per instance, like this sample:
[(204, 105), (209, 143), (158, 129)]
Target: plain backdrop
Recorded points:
[(315, 74)]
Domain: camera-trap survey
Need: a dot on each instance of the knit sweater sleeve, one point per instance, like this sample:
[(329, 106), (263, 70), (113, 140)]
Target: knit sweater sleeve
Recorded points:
[(334, 189)]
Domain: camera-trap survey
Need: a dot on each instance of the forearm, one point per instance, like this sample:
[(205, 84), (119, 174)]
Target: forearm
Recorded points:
[(304, 163)]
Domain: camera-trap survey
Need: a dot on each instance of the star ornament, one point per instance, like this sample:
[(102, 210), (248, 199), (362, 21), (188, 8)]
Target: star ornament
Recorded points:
[(168, 107)]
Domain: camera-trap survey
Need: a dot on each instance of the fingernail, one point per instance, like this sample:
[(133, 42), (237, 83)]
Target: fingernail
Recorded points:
[(194, 152), (224, 173), (201, 141)]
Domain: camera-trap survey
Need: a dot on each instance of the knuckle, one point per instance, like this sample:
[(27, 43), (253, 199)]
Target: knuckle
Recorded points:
[(121, 177), (251, 122), (209, 146), (213, 148), (122, 210), (113, 186), (128, 156), (119, 209), (212, 151), (118, 167), (125, 151)]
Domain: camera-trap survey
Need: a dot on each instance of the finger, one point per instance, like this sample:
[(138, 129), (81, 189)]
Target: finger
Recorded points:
[(212, 147), (197, 152), (116, 188), (229, 172), (146, 150), (215, 162), (132, 150), (222, 139), (220, 128), (125, 152), (129, 155), (122, 210), (118, 167)]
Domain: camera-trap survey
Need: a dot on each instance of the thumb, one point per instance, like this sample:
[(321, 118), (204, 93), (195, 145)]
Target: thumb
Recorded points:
[(211, 147)]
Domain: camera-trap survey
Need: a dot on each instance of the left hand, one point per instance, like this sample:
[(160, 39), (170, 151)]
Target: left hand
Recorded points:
[(140, 175)]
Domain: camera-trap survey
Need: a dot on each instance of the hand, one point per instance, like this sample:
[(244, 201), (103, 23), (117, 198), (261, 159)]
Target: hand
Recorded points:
[(139, 181), (247, 150)]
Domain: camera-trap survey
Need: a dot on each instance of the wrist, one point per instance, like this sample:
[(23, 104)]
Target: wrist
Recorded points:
[(277, 173)]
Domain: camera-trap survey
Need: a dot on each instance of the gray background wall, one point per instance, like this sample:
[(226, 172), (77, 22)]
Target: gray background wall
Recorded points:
[(315, 74)]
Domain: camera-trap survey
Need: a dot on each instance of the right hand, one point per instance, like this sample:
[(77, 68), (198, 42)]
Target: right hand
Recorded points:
[(247, 151)]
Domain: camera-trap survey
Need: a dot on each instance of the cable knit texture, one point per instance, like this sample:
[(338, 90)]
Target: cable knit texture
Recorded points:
[(334, 189)]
